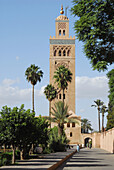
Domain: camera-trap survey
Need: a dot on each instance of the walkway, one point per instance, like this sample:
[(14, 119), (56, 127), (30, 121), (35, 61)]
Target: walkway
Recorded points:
[(42, 164), (90, 159)]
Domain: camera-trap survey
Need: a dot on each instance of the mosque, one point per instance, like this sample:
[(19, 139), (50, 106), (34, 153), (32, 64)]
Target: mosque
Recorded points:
[(62, 52)]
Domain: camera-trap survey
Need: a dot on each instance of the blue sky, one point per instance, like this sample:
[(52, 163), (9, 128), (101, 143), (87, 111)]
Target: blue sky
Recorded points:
[(25, 28)]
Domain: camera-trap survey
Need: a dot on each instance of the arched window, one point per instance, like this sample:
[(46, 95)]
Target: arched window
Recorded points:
[(64, 53), (70, 134), (64, 32), (68, 124), (59, 32), (55, 53), (73, 124), (59, 52), (59, 96), (63, 96), (68, 53)]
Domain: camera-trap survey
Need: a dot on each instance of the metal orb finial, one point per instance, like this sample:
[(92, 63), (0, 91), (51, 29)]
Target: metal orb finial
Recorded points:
[(61, 12)]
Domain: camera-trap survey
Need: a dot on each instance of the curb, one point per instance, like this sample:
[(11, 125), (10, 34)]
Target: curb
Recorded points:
[(55, 166)]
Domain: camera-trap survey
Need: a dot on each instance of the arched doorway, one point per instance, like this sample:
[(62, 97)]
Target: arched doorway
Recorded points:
[(87, 141)]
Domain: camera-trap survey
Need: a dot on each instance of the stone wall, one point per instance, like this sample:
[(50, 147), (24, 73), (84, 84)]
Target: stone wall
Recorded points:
[(107, 140), (95, 139)]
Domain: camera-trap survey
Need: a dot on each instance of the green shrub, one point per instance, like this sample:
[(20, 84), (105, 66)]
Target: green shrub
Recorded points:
[(17, 154), (47, 150), (5, 158), (57, 143)]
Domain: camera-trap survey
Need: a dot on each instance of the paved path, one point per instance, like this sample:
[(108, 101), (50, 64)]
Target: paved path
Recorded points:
[(89, 159), (42, 164)]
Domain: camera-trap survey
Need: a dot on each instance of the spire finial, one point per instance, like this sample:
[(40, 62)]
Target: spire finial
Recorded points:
[(61, 12)]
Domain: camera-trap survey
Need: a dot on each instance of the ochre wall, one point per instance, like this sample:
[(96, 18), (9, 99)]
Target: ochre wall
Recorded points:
[(107, 140)]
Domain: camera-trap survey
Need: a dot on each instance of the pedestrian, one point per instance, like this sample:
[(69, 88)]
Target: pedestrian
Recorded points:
[(78, 148), (89, 145)]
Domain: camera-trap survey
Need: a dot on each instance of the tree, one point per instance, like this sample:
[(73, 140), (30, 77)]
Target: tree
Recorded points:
[(85, 125), (20, 128), (110, 116), (103, 111), (51, 94), (94, 27), (11, 121), (61, 116), (98, 104), (34, 75), (62, 77)]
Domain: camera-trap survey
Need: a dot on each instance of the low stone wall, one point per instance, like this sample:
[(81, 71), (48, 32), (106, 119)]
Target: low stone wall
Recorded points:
[(107, 140)]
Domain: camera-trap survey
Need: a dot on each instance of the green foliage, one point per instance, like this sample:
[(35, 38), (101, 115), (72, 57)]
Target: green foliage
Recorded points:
[(57, 143), (19, 127), (110, 119), (5, 158), (98, 104), (110, 116), (46, 150), (62, 76), (94, 27), (50, 92), (110, 76), (61, 115), (33, 74), (85, 126), (12, 120)]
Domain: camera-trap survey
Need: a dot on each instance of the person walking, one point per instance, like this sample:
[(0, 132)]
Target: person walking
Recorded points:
[(78, 148)]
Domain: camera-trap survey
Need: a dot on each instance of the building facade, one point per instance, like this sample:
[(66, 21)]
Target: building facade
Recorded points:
[(62, 52)]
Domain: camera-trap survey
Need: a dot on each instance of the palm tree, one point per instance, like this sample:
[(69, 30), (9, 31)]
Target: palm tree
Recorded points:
[(103, 111), (98, 104), (51, 94), (85, 125), (61, 116), (88, 126), (62, 76), (33, 75)]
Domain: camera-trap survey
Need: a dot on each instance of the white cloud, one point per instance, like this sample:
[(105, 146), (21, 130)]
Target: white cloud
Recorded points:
[(17, 57), (41, 91), (8, 82), (95, 87), (10, 94)]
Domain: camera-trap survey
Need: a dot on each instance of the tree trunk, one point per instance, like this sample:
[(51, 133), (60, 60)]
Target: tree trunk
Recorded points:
[(50, 112), (62, 127), (59, 130), (87, 129), (25, 152), (33, 98), (63, 96), (99, 118), (4, 148), (21, 155), (13, 156), (102, 122)]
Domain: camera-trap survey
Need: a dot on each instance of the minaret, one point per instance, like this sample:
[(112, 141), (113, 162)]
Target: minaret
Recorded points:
[(62, 52)]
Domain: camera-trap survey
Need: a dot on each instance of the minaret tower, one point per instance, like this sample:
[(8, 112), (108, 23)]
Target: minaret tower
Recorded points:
[(62, 52)]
